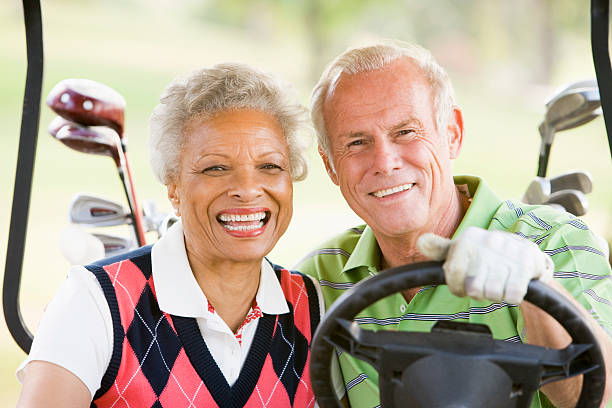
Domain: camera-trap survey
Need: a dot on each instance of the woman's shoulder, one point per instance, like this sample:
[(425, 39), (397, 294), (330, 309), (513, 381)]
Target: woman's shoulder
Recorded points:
[(296, 285)]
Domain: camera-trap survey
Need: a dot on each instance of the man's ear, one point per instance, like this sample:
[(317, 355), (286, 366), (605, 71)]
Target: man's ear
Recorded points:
[(455, 132), (328, 166), (174, 198)]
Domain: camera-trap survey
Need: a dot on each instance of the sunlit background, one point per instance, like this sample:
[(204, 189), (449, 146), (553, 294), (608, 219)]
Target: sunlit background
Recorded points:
[(505, 59)]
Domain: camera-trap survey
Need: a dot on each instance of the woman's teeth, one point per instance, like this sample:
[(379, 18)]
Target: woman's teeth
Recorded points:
[(243, 217), (243, 227), (393, 190)]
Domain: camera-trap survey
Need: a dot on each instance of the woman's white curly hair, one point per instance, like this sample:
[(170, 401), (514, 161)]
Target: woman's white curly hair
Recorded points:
[(224, 87)]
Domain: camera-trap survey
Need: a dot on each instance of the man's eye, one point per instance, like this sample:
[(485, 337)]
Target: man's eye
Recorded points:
[(405, 132), (357, 142)]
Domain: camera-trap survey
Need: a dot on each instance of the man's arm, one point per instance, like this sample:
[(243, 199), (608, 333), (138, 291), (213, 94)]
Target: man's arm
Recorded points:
[(543, 330), (498, 266)]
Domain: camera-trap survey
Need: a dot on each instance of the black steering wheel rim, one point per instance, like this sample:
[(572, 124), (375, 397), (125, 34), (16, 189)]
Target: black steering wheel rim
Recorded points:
[(404, 277)]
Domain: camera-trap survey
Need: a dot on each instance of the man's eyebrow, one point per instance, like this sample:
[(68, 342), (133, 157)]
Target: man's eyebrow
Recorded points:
[(352, 135), (406, 123)]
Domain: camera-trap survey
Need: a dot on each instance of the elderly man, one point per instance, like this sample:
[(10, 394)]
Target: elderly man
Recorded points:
[(388, 131)]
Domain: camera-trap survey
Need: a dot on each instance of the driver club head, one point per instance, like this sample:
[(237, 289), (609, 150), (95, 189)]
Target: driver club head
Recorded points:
[(538, 191), (574, 201), (97, 211), (99, 140), (572, 180), (88, 103), (114, 244)]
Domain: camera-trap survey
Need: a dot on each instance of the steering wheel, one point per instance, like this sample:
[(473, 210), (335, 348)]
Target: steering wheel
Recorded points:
[(456, 364)]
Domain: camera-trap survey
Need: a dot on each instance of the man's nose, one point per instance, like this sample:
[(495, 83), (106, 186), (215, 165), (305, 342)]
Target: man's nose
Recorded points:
[(245, 185), (386, 157)]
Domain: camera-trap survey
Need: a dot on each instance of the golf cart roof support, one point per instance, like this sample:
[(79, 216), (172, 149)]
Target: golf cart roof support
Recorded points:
[(23, 175), (600, 15)]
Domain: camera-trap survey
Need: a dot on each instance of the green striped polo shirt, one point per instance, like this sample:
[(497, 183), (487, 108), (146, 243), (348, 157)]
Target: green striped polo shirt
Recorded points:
[(580, 266)]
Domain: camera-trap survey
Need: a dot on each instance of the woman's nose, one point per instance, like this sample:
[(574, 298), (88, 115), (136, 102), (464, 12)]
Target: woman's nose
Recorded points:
[(245, 185)]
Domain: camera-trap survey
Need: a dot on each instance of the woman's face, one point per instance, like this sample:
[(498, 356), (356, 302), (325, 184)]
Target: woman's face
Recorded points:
[(233, 190)]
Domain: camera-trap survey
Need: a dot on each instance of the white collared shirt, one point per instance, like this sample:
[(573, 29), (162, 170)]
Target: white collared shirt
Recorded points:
[(76, 330)]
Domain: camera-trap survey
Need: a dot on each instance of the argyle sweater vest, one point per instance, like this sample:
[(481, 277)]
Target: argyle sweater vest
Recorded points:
[(161, 360)]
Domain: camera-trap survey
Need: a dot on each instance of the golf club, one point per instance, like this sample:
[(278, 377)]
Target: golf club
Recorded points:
[(574, 180), (104, 141), (88, 103), (96, 211), (574, 201), (540, 188), (538, 191), (114, 244), (573, 106), (57, 123)]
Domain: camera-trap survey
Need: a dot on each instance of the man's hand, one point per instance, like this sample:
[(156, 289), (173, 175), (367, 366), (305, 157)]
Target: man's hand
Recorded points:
[(483, 264)]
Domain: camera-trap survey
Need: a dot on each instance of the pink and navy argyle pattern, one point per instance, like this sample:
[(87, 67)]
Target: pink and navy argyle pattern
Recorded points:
[(161, 360)]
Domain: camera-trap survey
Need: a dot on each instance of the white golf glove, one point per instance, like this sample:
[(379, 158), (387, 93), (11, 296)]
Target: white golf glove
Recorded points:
[(483, 264)]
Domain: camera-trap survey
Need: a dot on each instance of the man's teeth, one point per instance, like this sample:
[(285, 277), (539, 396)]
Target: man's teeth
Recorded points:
[(387, 191), (243, 217), (243, 227)]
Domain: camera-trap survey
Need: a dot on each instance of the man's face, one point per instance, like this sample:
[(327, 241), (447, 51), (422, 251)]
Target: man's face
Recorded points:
[(390, 161)]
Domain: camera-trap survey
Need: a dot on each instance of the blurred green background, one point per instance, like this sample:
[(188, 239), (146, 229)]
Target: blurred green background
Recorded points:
[(504, 58)]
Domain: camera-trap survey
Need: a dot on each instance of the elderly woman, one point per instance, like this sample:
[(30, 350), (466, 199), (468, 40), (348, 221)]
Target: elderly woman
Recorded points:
[(201, 318)]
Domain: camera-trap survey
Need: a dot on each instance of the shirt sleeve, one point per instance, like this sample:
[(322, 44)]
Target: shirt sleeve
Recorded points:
[(76, 330), (582, 267)]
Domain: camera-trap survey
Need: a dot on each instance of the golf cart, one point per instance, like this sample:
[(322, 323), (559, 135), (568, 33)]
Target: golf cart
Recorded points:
[(581, 358)]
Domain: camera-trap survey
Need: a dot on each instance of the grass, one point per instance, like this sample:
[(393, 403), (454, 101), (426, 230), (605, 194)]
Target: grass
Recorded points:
[(138, 50)]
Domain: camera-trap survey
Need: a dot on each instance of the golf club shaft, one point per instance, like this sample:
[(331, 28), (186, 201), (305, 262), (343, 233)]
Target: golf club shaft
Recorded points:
[(138, 221), (543, 162), (133, 207)]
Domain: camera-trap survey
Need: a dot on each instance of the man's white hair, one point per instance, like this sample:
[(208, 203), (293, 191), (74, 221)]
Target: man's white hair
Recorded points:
[(374, 57), (224, 87)]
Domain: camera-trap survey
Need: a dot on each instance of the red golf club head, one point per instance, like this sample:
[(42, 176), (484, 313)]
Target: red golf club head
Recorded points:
[(101, 140), (88, 103), (57, 123)]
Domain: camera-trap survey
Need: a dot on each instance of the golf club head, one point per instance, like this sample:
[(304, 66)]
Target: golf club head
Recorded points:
[(97, 211), (98, 140), (574, 201), (88, 103), (57, 123), (114, 244), (583, 83), (573, 108), (572, 180), (537, 192)]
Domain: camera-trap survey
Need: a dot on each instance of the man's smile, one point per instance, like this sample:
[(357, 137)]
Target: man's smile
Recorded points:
[(392, 190)]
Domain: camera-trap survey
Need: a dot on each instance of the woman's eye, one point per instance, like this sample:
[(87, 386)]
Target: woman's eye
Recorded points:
[(357, 142), (271, 166), (213, 169)]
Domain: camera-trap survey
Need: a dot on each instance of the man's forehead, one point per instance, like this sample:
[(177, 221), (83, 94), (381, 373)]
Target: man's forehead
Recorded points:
[(388, 96)]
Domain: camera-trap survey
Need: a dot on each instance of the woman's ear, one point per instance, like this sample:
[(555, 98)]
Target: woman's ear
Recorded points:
[(173, 196)]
